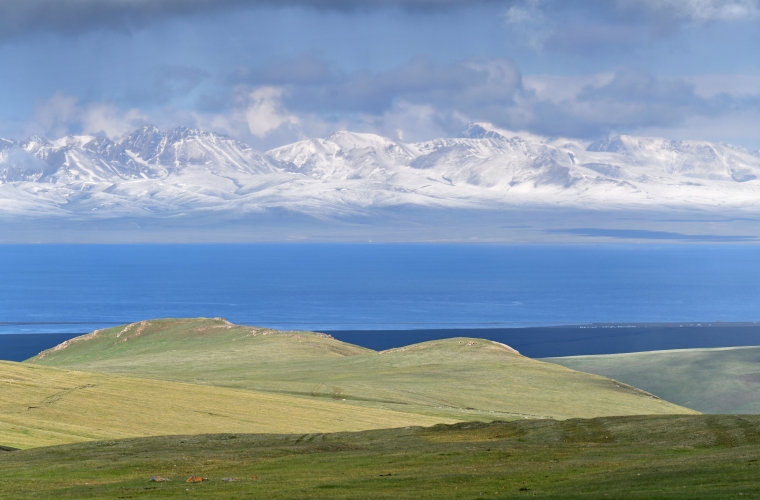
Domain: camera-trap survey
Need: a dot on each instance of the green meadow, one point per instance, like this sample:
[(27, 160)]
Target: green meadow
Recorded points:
[(688, 457), (724, 380), (42, 406), (262, 413)]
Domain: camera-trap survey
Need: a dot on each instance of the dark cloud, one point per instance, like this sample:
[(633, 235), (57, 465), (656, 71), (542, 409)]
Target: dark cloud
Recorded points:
[(18, 17), (590, 27), (313, 87), (558, 19), (629, 102), (641, 97), (493, 91)]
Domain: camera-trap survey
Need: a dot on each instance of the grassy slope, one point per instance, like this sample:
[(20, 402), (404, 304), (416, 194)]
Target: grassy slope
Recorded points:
[(44, 406), (699, 456), (723, 380), (464, 379)]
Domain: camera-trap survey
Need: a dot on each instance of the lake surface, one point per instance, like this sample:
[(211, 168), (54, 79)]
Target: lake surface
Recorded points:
[(77, 288)]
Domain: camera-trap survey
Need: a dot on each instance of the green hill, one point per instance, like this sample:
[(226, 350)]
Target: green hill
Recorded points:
[(725, 380), (679, 457), (461, 379), (42, 406)]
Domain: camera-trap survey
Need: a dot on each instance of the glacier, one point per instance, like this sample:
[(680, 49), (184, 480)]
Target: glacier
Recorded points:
[(151, 173)]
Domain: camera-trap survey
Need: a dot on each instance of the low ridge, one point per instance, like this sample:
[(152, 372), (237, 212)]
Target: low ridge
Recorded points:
[(460, 378)]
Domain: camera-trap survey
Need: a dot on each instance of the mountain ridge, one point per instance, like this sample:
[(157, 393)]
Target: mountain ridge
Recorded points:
[(151, 172)]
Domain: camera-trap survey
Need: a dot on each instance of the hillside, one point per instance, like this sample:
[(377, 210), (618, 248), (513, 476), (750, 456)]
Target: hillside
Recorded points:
[(720, 380), (41, 406), (688, 457), (462, 379)]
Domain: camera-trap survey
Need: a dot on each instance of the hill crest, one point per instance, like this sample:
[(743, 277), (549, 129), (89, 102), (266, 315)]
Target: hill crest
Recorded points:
[(460, 378)]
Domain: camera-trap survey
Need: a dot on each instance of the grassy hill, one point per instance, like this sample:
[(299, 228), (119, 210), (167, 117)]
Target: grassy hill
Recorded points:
[(723, 380), (461, 379), (702, 456), (42, 406)]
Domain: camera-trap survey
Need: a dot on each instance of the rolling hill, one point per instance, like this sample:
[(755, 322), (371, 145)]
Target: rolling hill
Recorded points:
[(717, 380), (460, 379), (42, 406)]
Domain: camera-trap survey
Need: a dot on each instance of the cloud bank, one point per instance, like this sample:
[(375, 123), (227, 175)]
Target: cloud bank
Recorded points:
[(292, 99), (537, 17), (18, 17)]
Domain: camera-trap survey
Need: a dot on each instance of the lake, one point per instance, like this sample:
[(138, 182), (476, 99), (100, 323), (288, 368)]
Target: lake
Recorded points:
[(70, 289)]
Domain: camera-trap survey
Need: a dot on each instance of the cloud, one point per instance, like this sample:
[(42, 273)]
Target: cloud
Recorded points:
[(629, 102), (699, 10), (529, 22), (63, 115), (265, 112), (18, 17), (536, 19), (421, 80), (588, 26), (423, 99)]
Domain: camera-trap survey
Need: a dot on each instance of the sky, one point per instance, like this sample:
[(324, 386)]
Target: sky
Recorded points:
[(272, 72)]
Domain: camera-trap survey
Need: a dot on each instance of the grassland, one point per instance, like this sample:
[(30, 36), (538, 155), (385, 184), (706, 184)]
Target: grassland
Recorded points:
[(725, 380), (42, 406), (703, 456), (460, 379)]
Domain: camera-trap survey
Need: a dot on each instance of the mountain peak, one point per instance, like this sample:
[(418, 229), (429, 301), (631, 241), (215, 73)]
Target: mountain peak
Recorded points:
[(190, 169), (36, 139), (478, 131)]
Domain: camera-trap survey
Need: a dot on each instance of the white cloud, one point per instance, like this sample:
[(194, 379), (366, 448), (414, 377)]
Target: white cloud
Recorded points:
[(558, 88), (740, 128), (705, 10), (63, 114), (54, 117), (528, 22), (265, 111), (734, 85), (108, 120), (405, 121)]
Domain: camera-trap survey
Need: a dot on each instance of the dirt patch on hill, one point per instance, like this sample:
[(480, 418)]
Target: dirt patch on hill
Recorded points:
[(64, 345), (141, 326), (750, 379)]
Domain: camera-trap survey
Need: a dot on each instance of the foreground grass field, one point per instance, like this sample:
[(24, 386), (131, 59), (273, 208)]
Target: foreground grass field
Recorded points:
[(42, 406), (724, 380), (703, 456), (456, 379)]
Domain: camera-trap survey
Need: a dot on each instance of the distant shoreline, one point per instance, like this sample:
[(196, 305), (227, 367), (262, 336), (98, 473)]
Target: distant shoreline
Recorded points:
[(576, 340), (535, 342)]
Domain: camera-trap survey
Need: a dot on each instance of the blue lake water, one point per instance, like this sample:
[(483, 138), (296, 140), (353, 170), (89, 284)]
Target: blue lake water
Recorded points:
[(77, 288)]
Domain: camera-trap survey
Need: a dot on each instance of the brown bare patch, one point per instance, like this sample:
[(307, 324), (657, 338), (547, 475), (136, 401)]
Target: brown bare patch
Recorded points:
[(64, 345), (142, 325), (750, 378)]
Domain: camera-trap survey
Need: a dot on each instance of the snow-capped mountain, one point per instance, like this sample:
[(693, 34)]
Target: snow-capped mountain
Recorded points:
[(150, 171)]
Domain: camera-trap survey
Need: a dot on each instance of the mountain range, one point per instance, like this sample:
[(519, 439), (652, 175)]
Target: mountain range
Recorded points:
[(153, 172)]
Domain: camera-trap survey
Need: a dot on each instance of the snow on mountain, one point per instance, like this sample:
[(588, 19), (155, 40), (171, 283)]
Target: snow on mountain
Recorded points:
[(150, 171)]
